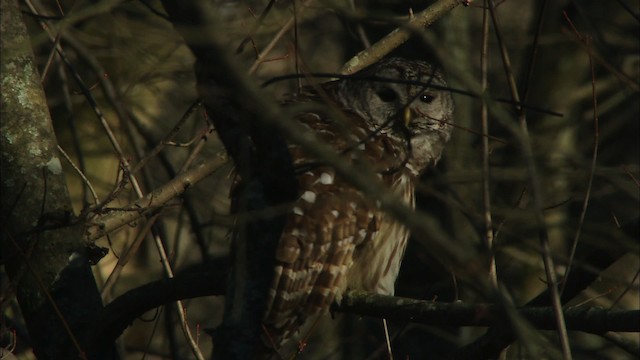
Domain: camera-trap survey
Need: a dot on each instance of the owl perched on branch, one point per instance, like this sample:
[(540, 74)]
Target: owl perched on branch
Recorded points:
[(393, 117)]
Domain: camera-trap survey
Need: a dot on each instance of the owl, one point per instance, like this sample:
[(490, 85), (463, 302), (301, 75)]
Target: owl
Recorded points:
[(393, 117)]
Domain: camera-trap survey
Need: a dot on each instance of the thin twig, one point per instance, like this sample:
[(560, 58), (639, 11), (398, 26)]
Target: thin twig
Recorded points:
[(287, 26), (387, 340), (130, 251), (170, 136), (362, 35), (256, 26), (534, 51), (486, 177), (624, 78), (547, 259), (197, 149), (81, 174), (182, 312), (594, 157), (626, 290), (105, 224), (52, 54)]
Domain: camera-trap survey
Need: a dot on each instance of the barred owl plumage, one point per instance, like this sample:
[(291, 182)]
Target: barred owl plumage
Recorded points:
[(394, 116)]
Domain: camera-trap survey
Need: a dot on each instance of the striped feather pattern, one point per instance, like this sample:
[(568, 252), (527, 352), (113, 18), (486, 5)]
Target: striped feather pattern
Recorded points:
[(334, 237), (332, 225)]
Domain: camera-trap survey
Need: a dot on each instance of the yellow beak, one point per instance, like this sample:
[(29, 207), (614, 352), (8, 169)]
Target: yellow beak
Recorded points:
[(407, 116)]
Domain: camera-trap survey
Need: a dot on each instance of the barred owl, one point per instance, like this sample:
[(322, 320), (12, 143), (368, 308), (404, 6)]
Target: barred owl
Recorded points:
[(394, 116)]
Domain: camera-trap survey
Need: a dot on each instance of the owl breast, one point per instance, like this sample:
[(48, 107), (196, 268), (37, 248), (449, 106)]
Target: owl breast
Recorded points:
[(336, 238), (377, 263)]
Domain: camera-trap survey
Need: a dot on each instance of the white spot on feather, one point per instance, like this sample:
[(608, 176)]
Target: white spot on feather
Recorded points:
[(324, 248), (313, 115), (324, 292), (278, 270), (334, 270), (326, 178), (309, 196), (298, 211), (412, 169)]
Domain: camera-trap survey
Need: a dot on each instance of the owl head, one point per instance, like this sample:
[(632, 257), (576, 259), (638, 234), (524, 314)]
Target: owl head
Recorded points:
[(398, 95)]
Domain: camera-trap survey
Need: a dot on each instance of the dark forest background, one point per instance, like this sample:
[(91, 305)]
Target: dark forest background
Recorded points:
[(575, 64)]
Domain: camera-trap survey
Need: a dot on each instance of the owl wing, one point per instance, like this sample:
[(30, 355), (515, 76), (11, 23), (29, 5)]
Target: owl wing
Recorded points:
[(328, 220)]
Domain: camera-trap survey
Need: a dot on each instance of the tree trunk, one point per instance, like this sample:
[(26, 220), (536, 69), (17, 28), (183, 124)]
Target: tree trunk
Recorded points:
[(42, 248)]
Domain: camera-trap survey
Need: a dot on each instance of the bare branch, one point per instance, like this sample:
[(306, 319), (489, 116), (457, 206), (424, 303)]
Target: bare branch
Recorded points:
[(582, 318), (102, 225), (117, 315), (399, 36)]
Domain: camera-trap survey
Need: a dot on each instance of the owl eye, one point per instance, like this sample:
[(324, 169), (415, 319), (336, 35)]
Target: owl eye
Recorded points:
[(387, 95), (427, 98)]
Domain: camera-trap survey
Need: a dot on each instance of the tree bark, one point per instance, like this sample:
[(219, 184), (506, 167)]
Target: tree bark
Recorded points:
[(42, 248)]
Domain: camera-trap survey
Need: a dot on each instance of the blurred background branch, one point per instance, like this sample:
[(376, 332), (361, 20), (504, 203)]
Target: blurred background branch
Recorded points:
[(138, 71)]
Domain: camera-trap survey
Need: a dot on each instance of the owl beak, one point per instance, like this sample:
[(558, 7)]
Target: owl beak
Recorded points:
[(407, 115)]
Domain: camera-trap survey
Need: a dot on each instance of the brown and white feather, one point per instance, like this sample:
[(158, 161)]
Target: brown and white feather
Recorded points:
[(334, 237)]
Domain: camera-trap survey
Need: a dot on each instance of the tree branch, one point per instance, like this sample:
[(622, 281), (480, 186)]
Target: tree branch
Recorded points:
[(120, 313), (116, 316), (398, 36), (499, 336), (582, 318), (104, 224)]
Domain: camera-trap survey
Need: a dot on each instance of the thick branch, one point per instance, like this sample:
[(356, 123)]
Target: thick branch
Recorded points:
[(104, 224), (498, 337), (120, 313), (588, 319), (398, 36)]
